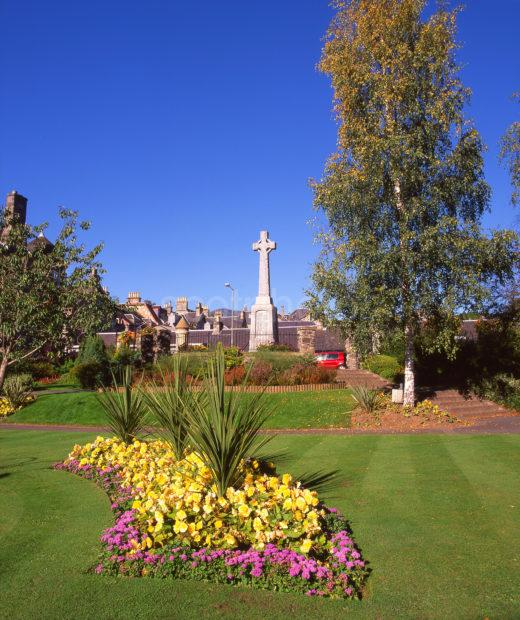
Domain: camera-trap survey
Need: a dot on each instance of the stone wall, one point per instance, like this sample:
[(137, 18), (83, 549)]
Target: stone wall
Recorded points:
[(307, 340)]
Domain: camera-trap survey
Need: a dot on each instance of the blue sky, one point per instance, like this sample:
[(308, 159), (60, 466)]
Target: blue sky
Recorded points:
[(180, 129)]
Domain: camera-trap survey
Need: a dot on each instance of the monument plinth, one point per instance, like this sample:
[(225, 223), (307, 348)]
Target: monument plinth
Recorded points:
[(264, 316)]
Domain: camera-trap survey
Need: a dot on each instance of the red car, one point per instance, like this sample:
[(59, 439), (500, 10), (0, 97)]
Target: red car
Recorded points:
[(331, 359)]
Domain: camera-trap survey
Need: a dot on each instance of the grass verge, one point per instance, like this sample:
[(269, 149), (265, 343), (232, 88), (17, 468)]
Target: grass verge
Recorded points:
[(319, 409), (436, 516)]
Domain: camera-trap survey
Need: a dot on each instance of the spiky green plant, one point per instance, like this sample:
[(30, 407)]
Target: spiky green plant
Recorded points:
[(18, 389), (167, 403), (369, 401), (224, 429), (124, 408)]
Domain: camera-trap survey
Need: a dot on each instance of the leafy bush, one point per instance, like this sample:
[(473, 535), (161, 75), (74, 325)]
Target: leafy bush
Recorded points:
[(18, 389), (235, 376), (275, 347), (385, 366), (305, 374), (125, 409), (369, 401), (92, 367), (123, 357), (88, 374), (195, 362), (66, 367), (233, 357), (261, 373), (39, 369), (278, 360)]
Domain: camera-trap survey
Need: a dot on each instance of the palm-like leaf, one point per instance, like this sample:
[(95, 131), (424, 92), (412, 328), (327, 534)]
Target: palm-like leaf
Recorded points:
[(367, 400), (168, 402), (124, 408), (224, 431)]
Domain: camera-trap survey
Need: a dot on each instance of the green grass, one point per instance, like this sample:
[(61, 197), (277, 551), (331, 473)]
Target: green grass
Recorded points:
[(291, 410), (436, 516)]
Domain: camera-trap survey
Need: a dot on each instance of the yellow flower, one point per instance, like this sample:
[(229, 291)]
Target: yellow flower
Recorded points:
[(181, 515), (180, 527), (218, 524), (306, 545), (257, 524), (301, 503), (244, 511), (287, 479)]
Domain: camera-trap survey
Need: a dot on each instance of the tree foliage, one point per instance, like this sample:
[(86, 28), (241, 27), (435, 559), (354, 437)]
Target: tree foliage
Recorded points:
[(510, 155), (404, 194), (50, 295)]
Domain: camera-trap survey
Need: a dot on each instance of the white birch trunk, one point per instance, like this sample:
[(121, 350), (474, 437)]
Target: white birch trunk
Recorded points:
[(409, 368)]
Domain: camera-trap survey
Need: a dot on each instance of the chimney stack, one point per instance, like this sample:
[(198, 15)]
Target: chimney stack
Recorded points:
[(182, 304), (217, 322), (15, 211), (134, 298)]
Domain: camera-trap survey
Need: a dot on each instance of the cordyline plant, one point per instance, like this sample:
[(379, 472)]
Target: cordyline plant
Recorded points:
[(222, 428), (50, 294), (124, 407), (167, 403), (404, 194)]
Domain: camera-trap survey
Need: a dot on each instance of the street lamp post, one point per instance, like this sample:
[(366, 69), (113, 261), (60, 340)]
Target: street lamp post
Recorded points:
[(228, 285)]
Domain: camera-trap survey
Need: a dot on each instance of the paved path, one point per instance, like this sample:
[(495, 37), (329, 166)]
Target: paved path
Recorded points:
[(494, 425)]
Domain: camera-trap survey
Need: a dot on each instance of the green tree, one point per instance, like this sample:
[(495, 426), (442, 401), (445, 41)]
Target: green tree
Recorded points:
[(510, 155), (50, 295), (404, 193)]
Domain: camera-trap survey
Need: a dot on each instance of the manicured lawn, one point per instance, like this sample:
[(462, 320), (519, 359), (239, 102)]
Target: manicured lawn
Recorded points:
[(436, 516), (291, 410)]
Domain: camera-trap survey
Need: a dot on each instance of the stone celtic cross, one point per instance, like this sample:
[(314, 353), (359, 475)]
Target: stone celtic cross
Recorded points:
[(264, 246)]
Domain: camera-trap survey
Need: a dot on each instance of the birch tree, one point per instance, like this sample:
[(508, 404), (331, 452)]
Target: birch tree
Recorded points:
[(404, 193)]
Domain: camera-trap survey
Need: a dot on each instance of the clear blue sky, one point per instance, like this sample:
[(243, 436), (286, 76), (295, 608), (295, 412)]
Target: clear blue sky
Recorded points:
[(180, 129)]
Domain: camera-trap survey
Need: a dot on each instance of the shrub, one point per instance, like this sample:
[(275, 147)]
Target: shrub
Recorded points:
[(278, 360), (275, 347), (235, 376), (385, 366), (88, 374), (304, 374), (66, 367), (123, 357), (124, 409), (260, 373), (369, 401), (18, 389), (233, 357), (40, 369), (195, 362), (92, 367)]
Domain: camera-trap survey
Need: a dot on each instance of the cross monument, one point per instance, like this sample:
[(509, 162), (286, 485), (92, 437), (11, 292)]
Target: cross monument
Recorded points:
[(264, 316)]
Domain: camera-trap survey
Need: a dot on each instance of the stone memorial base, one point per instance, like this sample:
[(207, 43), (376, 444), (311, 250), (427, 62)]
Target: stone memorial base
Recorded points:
[(264, 324)]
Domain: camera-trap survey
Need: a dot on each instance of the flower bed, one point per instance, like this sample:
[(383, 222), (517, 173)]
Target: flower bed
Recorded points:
[(6, 408), (270, 533)]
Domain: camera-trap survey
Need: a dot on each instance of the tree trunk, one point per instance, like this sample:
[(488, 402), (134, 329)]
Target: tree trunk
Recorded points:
[(409, 367), (3, 368)]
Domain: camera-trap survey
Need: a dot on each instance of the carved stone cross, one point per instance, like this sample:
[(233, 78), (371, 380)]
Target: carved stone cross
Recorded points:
[(264, 246)]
